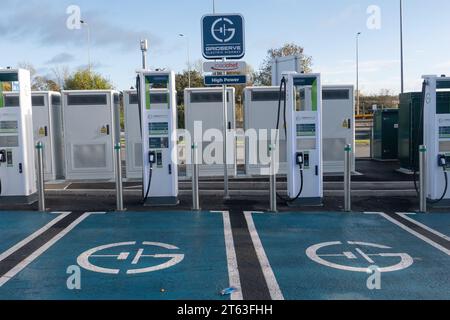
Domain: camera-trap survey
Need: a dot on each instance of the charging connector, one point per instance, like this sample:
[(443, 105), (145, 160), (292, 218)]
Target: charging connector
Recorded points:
[(443, 161), (152, 157), (300, 159), (152, 161), (2, 156)]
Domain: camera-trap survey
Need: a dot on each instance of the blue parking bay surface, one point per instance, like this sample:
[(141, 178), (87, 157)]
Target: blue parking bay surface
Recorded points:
[(327, 255), (439, 222), (16, 226), (131, 256)]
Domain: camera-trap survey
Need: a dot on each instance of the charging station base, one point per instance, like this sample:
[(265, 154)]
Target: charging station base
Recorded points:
[(306, 202), (444, 204), (162, 202), (28, 200)]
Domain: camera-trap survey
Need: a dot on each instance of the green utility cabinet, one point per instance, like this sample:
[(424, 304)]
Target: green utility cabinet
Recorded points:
[(410, 134), (385, 134)]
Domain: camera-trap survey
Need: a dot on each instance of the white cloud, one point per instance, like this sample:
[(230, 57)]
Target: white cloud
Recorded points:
[(48, 27)]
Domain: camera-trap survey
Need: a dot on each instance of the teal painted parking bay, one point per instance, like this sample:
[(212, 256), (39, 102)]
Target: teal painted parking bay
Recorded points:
[(327, 255), (158, 256), (439, 222), (16, 226)]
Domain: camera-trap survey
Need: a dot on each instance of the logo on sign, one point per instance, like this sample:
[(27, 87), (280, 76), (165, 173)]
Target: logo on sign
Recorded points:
[(229, 66), (223, 30), (223, 36)]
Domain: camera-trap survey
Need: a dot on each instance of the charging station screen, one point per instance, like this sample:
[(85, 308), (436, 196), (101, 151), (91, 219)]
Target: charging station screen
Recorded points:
[(444, 132), (306, 130), (8, 127), (158, 128)]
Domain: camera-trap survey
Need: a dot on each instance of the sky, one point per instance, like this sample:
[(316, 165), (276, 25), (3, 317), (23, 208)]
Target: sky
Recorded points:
[(35, 32)]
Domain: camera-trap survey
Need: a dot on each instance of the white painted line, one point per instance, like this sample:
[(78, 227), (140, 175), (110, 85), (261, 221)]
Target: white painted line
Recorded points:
[(30, 238), (233, 270), (418, 235), (436, 233), (272, 284), (407, 213), (365, 256), (138, 256), (22, 265)]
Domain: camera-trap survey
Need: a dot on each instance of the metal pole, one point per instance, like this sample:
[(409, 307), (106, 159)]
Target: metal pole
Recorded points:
[(195, 184), (348, 178), (225, 139), (423, 178), (214, 6), (119, 184), (189, 60), (401, 48), (357, 73), (89, 47), (41, 183), (144, 48), (273, 182)]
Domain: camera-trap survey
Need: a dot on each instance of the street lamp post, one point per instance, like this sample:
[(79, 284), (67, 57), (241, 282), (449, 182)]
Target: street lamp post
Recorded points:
[(401, 48), (89, 43), (188, 57), (357, 74)]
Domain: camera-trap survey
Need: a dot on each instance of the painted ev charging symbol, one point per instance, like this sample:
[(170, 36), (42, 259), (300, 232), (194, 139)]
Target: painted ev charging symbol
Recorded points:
[(224, 32), (395, 261), (171, 259)]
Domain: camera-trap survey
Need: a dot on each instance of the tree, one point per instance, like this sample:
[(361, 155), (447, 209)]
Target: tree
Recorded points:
[(85, 79), (6, 86), (39, 82), (263, 77), (385, 99), (182, 82)]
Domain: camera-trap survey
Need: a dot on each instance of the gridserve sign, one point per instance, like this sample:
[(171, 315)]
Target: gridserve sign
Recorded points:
[(223, 36)]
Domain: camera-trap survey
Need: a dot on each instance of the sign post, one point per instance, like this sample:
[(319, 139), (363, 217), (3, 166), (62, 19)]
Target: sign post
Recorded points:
[(223, 37)]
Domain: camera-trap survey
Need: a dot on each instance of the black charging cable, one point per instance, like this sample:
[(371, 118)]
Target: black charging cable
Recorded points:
[(283, 94)]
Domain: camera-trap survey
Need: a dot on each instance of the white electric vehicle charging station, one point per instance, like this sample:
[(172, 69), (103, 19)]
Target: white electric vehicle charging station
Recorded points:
[(133, 140), (260, 107), (205, 106), (47, 129), (159, 138), (91, 129), (338, 126), (17, 161), (437, 139), (304, 138)]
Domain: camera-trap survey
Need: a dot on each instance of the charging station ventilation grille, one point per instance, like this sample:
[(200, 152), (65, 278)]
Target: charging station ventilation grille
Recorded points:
[(89, 156)]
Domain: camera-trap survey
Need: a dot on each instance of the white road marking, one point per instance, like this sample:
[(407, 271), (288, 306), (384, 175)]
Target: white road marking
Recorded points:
[(30, 238), (365, 256), (233, 270), (274, 288), (22, 265), (405, 259), (436, 233), (418, 235), (138, 256)]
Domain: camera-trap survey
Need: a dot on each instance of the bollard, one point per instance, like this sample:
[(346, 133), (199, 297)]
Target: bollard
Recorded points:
[(40, 178), (119, 182), (195, 174), (423, 178), (273, 182), (348, 178)]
